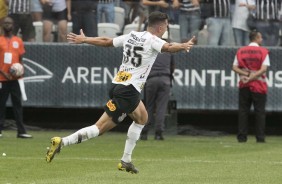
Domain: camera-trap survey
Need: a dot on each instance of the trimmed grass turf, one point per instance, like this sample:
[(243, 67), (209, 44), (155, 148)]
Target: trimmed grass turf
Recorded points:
[(177, 160)]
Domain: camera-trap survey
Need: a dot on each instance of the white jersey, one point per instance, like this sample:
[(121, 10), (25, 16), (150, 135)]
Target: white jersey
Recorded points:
[(140, 50)]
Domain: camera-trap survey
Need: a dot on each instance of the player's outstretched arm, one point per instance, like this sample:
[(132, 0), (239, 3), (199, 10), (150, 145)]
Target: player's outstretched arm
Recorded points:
[(98, 41), (176, 47)]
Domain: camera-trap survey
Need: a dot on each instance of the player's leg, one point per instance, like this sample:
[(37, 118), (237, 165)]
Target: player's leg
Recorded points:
[(101, 126), (104, 124), (140, 118)]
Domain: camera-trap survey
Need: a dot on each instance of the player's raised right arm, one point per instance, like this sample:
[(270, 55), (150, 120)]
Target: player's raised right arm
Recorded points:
[(176, 47), (98, 41)]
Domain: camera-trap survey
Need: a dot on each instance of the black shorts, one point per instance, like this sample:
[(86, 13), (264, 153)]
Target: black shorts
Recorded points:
[(123, 100), (24, 23), (53, 16)]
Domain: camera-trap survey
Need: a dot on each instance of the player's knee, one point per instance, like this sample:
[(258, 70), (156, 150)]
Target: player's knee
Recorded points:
[(142, 120)]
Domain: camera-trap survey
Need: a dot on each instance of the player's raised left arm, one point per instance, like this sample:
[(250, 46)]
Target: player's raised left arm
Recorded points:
[(98, 41), (176, 47)]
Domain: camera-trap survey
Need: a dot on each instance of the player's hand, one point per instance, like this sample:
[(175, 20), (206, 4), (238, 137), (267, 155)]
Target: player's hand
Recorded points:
[(74, 38), (188, 45)]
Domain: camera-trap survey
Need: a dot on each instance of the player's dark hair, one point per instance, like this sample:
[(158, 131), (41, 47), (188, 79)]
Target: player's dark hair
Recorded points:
[(156, 17), (253, 35)]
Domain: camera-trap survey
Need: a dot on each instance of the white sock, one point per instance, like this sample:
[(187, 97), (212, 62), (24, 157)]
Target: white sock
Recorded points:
[(81, 135), (133, 135)]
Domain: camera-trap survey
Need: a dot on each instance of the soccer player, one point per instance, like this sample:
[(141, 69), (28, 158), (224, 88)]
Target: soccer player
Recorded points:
[(140, 50)]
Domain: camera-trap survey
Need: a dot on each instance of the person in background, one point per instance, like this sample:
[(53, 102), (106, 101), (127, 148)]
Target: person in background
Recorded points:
[(156, 5), (36, 10), (136, 14), (280, 21), (56, 11), (19, 11), (239, 21), (251, 63), (84, 16), (140, 50), (157, 92), (107, 8), (166, 6), (3, 13), (189, 18), (267, 21), (217, 16), (11, 51)]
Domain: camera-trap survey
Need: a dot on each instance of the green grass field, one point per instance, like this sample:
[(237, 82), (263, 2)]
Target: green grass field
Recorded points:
[(178, 159)]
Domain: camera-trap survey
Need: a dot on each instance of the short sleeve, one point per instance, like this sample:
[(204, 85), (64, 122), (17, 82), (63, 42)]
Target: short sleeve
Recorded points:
[(266, 61), (235, 62), (157, 43), (21, 47), (118, 41)]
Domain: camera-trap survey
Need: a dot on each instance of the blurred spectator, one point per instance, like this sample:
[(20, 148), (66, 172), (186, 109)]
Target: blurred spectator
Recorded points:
[(189, 18), (36, 10), (11, 52), (3, 13), (232, 7), (107, 8), (19, 11), (280, 20), (56, 11), (267, 21), (165, 6), (84, 16), (239, 22), (156, 5), (217, 14), (136, 14)]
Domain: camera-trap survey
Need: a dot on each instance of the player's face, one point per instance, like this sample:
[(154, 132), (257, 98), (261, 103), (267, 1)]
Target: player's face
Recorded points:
[(163, 27)]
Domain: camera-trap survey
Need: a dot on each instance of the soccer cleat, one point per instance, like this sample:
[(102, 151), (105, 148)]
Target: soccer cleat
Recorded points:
[(56, 143), (128, 167)]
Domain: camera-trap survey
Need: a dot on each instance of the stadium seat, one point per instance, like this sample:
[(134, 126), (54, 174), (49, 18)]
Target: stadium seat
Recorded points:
[(38, 31), (119, 16), (174, 32), (203, 36), (108, 29), (131, 27)]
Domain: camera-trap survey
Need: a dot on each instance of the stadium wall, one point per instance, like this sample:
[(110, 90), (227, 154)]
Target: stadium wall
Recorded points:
[(79, 76)]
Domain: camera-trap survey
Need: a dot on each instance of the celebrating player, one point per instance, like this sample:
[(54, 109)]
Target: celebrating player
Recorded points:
[(140, 50)]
